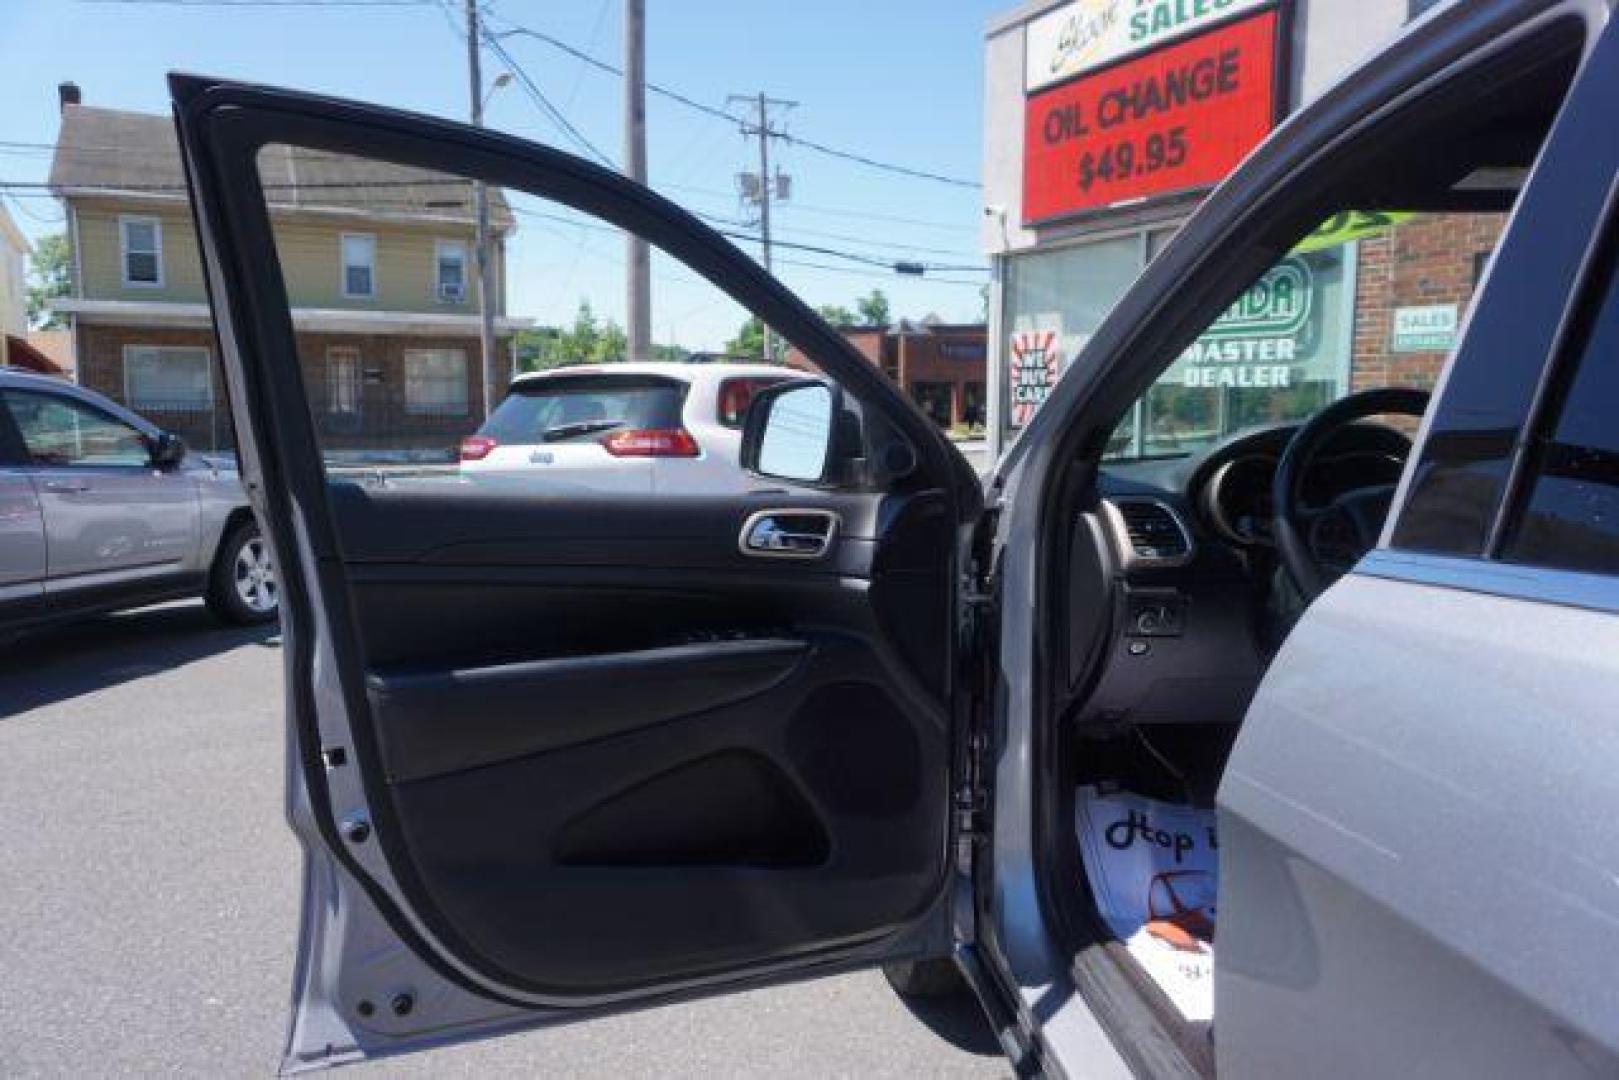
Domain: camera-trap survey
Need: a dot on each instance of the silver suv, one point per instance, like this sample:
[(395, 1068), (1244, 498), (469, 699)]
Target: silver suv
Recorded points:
[(101, 510), (1343, 687)]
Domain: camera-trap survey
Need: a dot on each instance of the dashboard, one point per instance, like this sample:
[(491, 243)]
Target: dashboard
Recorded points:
[(1231, 489), (1180, 554)]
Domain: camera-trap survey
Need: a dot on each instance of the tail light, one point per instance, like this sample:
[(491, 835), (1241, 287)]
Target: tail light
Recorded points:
[(651, 442), (476, 447)]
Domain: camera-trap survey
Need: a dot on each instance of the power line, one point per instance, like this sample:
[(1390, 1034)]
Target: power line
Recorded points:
[(869, 272), (721, 114), (50, 188), (23, 147), (264, 3), (538, 97), (726, 228)]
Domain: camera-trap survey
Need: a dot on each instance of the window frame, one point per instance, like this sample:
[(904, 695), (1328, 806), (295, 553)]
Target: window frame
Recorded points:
[(343, 264), (348, 354), (124, 251), (461, 248), (417, 411), (207, 363), (28, 459)]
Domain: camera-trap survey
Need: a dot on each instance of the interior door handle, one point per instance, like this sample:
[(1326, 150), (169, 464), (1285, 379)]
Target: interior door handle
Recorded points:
[(67, 487), (789, 534)]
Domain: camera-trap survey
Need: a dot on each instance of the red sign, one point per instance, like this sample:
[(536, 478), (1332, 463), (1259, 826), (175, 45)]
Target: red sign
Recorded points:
[(1178, 118)]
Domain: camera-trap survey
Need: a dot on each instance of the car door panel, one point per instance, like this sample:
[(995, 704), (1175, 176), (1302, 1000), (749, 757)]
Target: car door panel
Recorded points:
[(113, 525), (22, 542), (569, 749), (1421, 866), (1415, 861), (593, 697), (597, 776)]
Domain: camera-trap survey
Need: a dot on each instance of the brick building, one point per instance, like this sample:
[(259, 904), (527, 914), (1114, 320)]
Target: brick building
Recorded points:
[(1428, 261), (941, 366), (377, 260)]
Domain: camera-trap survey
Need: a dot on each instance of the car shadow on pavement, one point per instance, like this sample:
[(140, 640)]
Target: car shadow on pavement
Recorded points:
[(958, 1019), (61, 663)]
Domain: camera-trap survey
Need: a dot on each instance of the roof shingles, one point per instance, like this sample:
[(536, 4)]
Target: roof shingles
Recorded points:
[(114, 150)]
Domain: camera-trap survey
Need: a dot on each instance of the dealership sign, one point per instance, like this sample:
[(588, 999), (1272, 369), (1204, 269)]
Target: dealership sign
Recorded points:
[(1175, 119), (1089, 34), (1036, 362), (1429, 328), (1255, 343)]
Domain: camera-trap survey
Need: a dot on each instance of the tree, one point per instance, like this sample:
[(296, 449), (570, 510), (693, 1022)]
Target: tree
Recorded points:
[(838, 315), (749, 340), (587, 341), (50, 274), (874, 309)]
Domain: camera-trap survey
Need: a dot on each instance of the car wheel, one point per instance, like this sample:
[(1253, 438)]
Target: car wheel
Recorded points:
[(925, 978), (242, 588)]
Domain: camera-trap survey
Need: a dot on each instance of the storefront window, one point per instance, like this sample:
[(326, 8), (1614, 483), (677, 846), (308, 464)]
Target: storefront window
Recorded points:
[(1054, 301), (1281, 351), (1337, 315)]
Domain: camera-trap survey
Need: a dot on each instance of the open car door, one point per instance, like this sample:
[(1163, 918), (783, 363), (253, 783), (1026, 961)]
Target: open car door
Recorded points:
[(556, 751)]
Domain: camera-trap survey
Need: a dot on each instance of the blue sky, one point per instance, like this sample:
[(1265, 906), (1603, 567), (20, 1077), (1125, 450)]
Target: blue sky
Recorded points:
[(897, 80)]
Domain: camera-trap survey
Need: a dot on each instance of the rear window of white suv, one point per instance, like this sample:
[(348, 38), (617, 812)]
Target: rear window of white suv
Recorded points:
[(577, 407)]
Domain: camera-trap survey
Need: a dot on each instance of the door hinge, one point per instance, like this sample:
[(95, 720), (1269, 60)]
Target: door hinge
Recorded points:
[(977, 607), (971, 804)]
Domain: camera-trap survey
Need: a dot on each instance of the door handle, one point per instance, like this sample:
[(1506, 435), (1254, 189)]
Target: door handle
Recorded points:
[(789, 534), (67, 487)]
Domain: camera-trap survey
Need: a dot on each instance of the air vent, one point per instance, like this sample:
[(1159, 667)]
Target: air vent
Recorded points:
[(1150, 532)]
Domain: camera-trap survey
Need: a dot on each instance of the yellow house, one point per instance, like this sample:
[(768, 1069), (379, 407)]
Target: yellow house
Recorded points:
[(378, 262)]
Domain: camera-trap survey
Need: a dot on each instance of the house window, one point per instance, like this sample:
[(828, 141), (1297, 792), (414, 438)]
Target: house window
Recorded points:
[(166, 379), (450, 273), (141, 243), (435, 382), (359, 265), (343, 381)]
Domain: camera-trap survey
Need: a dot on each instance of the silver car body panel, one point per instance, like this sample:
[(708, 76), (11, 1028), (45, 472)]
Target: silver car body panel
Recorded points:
[(1419, 800), (22, 538), (1020, 940), (110, 523)]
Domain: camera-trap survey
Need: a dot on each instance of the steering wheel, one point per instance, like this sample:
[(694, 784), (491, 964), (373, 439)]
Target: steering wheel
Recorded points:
[(1319, 545)]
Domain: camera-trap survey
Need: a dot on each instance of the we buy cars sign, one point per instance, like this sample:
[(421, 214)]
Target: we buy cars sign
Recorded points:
[(1175, 119)]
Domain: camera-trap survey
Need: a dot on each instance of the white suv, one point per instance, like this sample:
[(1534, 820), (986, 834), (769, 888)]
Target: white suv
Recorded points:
[(623, 427)]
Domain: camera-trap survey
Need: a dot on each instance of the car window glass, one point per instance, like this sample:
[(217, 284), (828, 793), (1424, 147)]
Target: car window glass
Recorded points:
[(1570, 518), (1369, 299), (396, 379), (568, 409), (58, 430)]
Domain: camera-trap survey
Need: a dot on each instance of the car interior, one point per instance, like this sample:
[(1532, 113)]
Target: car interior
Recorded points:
[(1180, 570)]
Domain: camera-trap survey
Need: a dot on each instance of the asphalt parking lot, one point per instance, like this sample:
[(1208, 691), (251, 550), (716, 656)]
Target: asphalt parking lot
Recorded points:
[(148, 893)]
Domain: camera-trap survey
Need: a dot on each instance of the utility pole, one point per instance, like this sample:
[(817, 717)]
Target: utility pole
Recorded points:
[(480, 199), (763, 190), (638, 255)]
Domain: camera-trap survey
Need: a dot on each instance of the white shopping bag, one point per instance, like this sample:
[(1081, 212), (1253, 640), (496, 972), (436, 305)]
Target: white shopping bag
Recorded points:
[(1154, 872)]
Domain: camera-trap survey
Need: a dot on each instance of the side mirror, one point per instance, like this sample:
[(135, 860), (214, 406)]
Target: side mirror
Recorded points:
[(168, 450), (789, 433)]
